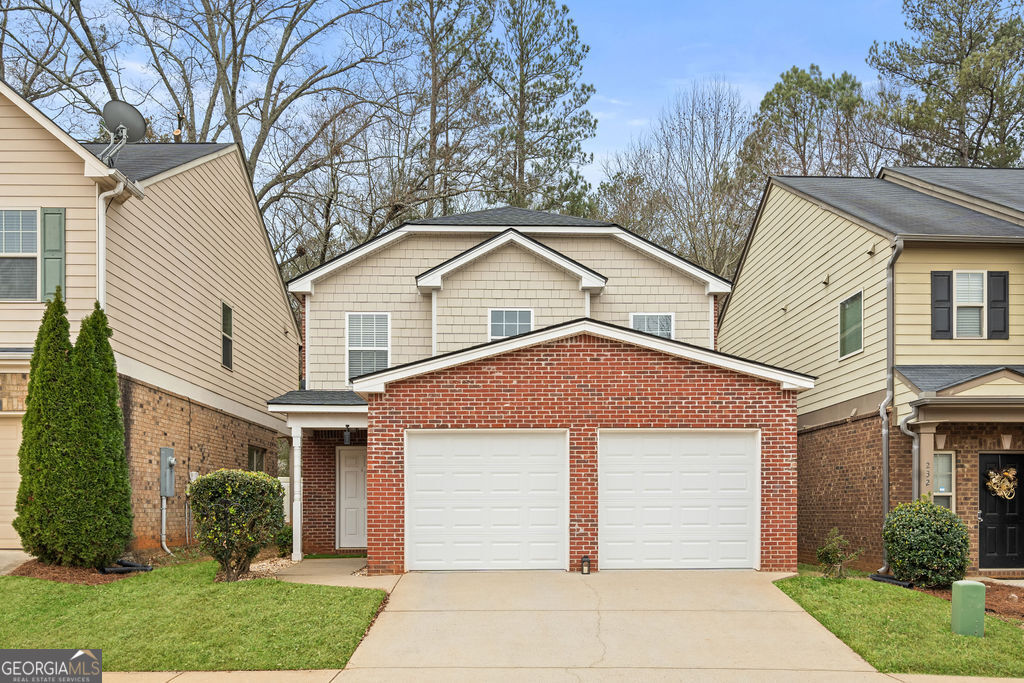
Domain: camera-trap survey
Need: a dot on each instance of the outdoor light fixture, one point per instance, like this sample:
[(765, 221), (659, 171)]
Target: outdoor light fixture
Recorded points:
[(585, 564), (347, 438)]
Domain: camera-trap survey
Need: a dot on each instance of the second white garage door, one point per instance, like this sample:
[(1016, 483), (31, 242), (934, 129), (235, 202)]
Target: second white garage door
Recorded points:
[(678, 499), (486, 499)]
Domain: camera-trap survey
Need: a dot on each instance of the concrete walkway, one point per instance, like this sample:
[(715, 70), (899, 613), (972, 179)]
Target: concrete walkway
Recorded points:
[(10, 559), (339, 571)]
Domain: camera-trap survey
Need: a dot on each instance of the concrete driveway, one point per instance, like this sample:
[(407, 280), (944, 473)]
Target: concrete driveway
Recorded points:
[(612, 625)]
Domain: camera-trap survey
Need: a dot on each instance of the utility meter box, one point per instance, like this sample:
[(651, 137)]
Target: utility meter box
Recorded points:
[(167, 472)]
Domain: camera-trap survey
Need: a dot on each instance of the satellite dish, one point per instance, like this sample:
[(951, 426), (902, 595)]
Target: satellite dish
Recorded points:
[(118, 115)]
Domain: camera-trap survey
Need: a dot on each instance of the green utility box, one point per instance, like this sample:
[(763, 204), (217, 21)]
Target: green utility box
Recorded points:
[(969, 608)]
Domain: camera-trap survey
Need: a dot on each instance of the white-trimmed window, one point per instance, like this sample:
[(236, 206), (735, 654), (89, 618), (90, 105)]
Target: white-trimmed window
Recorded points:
[(944, 479), (851, 325), (369, 342), (660, 324), (508, 322), (227, 336), (969, 304), (257, 458), (19, 255)]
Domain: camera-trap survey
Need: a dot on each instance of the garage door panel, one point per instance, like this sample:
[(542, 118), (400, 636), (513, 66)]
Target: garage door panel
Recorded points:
[(677, 499), (486, 500)]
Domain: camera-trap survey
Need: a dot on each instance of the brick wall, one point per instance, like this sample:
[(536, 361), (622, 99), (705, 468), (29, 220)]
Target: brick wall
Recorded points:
[(203, 438), (584, 383), (319, 486), (13, 387)]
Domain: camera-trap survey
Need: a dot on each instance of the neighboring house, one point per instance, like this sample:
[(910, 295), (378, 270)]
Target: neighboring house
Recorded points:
[(171, 242), (512, 389), (939, 349)]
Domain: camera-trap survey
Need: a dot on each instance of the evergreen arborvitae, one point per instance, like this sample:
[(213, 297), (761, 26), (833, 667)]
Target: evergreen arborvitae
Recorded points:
[(98, 472), (43, 452)]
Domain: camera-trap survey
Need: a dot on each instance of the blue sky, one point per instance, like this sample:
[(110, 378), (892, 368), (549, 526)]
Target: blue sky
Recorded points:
[(642, 51)]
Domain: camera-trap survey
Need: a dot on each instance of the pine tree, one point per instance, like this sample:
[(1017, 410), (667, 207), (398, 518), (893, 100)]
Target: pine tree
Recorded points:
[(43, 450), (98, 472)]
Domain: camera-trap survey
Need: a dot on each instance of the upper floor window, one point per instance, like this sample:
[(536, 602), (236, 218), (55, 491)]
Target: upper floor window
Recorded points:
[(970, 304), (660, 324), (227, 336), (508, 322), (19, 255), (851, 325), (369, 343)]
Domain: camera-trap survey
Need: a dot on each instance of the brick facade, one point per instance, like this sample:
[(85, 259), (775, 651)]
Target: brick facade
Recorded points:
[(583, 383), (203, 438), (319, 486)]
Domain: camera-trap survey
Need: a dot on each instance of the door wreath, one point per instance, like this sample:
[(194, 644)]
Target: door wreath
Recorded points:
[(1003, 483)]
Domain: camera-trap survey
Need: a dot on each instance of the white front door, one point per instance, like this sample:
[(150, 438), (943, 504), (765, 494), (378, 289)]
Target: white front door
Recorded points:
[(678, 499), (351, 496), (495, 499)]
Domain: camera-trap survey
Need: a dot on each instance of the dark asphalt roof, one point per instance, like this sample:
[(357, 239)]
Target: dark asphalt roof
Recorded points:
[(939, 377), (898, 209), (511, 216), (142, 160), (318, 397), (1004, 186)]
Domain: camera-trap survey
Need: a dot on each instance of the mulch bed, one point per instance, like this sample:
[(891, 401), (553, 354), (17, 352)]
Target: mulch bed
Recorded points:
[(1000, 599), (87, 577)]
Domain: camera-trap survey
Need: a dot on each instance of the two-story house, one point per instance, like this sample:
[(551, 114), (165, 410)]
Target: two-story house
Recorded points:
[(170, 241), (512, 389), (904, 295)]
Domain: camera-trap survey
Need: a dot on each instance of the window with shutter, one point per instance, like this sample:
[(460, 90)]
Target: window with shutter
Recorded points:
[(369, 342), (942, 304), (20, 254), (998, 304), (969, 304)]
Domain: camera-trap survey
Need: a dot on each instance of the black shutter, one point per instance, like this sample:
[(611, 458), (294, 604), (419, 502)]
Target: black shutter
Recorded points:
[(998, 304), (942, 304)]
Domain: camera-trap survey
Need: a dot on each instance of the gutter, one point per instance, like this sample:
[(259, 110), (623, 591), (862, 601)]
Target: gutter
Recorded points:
[(890, 352), (101, 242), (915, 450)]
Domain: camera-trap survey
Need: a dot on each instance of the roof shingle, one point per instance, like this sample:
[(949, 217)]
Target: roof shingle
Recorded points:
[(142, 160), (510, 216), (939, 377), (318, 397)]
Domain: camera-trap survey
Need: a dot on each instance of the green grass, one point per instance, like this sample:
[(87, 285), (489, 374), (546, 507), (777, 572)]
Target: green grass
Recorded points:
[(815, 570), (177, 618), (903, 631)]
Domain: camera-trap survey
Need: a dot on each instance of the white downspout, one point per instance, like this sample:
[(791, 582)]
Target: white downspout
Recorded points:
[(101, 242), (296, 494), (890, 353)]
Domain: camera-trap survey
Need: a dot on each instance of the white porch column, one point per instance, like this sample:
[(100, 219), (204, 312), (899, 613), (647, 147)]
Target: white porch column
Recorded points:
[(296, 494)]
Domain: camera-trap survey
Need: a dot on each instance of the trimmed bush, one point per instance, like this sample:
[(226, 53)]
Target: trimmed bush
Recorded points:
[(74, 502), (926, 543), (237, 514), (833, 556), (283, 541)]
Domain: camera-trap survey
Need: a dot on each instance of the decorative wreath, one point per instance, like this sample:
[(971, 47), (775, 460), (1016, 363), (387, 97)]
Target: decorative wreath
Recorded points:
[(1003, 483)]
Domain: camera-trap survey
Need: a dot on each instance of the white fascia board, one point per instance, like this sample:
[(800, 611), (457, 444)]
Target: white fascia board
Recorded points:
[(304, 284), (377, 383), (305, 408), (589, 280), (152, 180), (712, 284), (327, 421)]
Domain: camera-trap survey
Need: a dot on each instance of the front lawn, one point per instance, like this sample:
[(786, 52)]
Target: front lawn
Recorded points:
[(904, 631), (177, 618)]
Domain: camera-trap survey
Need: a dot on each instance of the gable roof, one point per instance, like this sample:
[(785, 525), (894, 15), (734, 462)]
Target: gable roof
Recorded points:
[(303, 284), (511, 215), (142, 160), (940, 377), (376, 382), (899, 210), (1002, 186), (589, 279)]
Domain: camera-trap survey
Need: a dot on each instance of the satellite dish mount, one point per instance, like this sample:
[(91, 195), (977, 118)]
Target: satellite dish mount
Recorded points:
[(123, 123)]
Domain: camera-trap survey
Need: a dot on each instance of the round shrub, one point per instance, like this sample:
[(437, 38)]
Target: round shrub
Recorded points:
[(237, 514), (926, 543)]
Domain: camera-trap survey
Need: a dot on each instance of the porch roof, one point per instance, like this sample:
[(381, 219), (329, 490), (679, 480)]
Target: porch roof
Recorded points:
[(318, 397), (940, 377)]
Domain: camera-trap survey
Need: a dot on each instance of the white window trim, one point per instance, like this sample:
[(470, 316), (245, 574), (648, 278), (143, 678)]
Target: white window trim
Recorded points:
[(671, 318), (38, 256), (839, 326), (490, 310), (952, 478), (229, 368), (984, 303), (348, 326)]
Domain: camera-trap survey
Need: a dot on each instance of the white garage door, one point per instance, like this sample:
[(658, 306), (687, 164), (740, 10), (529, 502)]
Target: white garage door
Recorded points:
[(686, 499), (486, 500), (10, 440)]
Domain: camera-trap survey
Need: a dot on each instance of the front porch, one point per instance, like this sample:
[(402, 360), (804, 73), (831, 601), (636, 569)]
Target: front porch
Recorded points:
[(328, 471)]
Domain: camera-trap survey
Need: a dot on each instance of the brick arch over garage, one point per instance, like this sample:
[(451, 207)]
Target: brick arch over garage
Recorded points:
[(581, 383)]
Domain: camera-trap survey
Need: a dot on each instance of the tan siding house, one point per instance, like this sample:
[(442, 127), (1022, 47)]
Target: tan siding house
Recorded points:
[(942, 355), (162, 238)]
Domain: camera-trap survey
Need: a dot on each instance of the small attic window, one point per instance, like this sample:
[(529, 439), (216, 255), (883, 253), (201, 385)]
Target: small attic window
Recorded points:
[(227, 336)]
